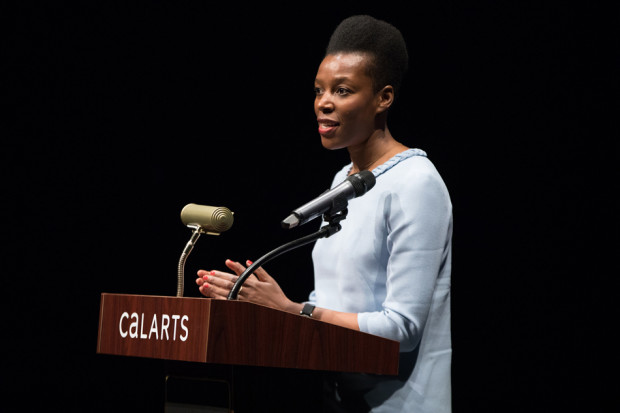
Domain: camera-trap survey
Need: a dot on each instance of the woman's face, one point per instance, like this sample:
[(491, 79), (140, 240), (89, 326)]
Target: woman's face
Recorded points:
[(345, 104)]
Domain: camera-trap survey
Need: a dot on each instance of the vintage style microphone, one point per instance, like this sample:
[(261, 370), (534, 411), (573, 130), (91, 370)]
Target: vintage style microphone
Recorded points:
[(202, 219)]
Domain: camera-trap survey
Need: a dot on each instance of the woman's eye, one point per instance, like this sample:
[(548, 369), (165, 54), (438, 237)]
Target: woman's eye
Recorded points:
[(342, 91), (317, 91)]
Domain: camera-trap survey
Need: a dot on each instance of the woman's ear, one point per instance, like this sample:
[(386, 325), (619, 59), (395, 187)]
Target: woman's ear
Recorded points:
[(385, 98)]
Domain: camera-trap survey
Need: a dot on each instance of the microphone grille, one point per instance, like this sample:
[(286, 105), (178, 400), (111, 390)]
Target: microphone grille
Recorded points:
[(221, 219)]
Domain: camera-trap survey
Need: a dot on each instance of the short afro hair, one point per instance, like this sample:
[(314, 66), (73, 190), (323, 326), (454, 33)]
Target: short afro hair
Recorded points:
[(381, 41)]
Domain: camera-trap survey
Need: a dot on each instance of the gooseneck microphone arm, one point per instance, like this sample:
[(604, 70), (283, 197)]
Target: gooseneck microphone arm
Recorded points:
[(326, 231), (197, 231)]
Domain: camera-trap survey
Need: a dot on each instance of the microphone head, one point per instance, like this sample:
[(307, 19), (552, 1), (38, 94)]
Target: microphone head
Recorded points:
[(210, 219), (362, 182)]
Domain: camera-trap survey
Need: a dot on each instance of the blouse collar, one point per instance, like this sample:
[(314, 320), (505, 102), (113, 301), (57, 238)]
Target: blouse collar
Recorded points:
[(393, 161)]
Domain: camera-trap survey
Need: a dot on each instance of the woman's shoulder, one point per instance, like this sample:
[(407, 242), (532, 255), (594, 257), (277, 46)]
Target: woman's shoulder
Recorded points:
[(414, 174)]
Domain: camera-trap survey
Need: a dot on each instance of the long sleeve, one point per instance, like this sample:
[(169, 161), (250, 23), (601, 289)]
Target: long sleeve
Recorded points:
[(417, 219), (391, 264)]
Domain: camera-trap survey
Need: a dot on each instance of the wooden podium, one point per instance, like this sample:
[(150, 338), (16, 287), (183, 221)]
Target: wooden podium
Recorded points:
[(201, 332)]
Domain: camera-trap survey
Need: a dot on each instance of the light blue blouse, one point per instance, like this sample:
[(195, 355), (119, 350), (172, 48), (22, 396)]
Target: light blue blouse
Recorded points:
[(391, 264)]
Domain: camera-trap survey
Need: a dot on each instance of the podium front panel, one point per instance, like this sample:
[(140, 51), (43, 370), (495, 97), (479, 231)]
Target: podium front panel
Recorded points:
[(236, 333)]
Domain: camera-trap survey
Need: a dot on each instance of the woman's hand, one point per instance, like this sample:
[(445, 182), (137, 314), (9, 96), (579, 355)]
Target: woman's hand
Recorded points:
[(261, 288), (215, 284)]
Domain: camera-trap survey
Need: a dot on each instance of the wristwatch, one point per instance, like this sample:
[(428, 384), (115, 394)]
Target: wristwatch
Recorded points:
[(307, 310)]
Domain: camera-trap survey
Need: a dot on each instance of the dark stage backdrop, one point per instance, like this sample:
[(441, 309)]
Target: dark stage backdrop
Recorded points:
[(121, 113)]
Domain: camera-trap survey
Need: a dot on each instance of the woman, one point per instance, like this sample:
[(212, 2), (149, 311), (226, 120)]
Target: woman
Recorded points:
[(387, 272)]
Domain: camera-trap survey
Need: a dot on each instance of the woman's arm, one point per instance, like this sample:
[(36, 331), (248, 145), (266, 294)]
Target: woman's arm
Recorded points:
[(264, 290)]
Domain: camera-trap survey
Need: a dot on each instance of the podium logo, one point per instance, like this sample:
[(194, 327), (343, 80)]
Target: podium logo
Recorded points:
[(133, 326)]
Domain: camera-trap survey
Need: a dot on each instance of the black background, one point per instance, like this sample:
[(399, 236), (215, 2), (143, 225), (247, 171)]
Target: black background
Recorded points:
[(121, 113)]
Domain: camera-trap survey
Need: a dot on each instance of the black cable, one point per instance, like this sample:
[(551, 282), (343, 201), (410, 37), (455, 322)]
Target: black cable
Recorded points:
[(325, 232)]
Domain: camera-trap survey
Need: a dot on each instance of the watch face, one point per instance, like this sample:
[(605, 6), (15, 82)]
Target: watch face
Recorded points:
[(307, 310)]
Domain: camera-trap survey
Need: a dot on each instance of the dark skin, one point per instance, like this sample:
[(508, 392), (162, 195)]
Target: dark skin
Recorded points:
[(351, 115)]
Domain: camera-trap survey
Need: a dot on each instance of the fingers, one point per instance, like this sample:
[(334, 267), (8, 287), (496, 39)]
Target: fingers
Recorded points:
[(215, 284), (260, 273), (200, 280), (235, 266)]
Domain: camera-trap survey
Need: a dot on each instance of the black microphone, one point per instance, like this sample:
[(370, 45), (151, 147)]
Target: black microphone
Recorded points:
[(334, 200)]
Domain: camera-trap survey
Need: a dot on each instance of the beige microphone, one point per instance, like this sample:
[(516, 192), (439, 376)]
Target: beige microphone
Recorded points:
[(202, 219), (210, 219)]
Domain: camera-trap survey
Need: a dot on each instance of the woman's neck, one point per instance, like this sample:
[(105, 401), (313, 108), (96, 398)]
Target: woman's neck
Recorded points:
[(375, 151)]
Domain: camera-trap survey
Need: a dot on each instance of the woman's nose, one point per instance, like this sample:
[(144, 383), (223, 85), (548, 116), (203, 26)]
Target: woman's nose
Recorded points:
[(324, 103)]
